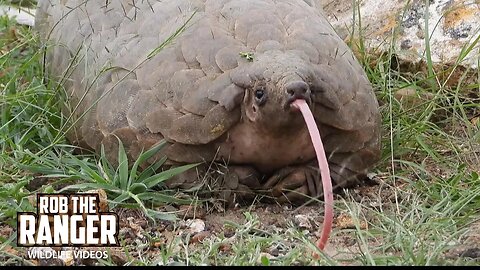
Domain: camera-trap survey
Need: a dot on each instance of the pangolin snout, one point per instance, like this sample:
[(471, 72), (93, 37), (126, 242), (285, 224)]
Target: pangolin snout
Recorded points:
[(297, 90)]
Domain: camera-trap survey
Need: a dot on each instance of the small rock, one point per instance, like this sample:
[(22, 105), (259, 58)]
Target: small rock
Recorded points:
[(303, 221), (229, 233), (118, 256), (199, 237), (169, 227), (169, 208), (224, 247), (476, 121), (36, 183), (69, 259), (158, 244), (102, 196), (274, 252), (195, 225), (135, 227), (345, 221), (473, 253), (50, 262)]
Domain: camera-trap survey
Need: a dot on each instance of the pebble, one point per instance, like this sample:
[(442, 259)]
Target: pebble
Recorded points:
[(199, 237), (303, 221), (195, 225)]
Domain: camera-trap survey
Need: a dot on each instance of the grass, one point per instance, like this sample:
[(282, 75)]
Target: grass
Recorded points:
[(425, 204)]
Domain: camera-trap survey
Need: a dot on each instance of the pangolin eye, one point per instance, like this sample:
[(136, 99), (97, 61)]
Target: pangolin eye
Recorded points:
[(259, 93), (260, 96)]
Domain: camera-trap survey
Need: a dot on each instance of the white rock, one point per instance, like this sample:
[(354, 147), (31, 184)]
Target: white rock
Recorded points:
[(195, 225), (303, 221), (68, 258), (451, 25), (24, 16)]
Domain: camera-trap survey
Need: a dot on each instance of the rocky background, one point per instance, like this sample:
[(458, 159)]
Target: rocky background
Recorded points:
[(400, 26)]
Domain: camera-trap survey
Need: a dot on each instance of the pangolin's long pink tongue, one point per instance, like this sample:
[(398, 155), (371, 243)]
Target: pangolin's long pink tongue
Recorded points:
[(324, 171)]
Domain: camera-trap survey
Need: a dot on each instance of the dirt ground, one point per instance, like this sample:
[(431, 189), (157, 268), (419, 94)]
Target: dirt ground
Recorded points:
[(147, 240)]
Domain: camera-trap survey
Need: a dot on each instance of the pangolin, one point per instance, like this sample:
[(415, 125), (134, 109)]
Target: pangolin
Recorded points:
[(216, 79)]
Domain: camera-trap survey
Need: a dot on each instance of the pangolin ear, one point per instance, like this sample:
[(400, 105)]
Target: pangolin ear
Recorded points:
[(247, 101), (225, 92)]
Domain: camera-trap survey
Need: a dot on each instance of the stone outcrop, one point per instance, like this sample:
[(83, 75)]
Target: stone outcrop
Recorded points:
[(20, 14), (453, 25)]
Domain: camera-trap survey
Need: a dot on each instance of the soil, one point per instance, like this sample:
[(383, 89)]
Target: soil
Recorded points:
[(145, 239)]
